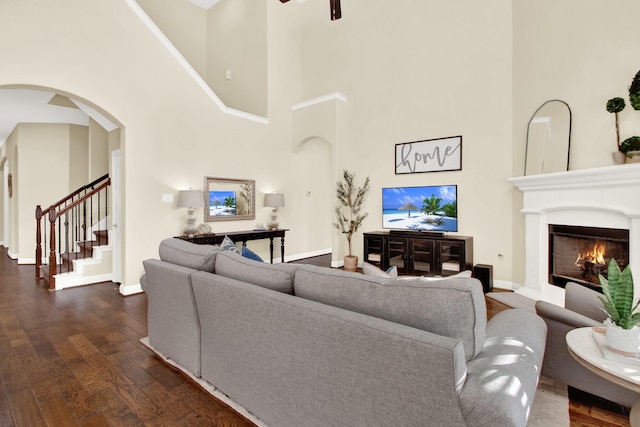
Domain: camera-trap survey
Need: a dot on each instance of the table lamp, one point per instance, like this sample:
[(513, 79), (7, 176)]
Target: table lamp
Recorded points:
[(274, 201), (190, 199)]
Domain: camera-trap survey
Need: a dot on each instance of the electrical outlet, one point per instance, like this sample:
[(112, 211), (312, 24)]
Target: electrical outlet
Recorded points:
[(167, 198)]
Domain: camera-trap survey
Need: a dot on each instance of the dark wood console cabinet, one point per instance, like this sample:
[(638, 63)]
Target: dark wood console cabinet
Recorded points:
[(419, 253), (242, 236)]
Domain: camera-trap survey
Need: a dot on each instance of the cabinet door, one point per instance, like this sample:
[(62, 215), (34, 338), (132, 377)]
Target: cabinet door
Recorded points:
[(374, 250), (421, 257), (397, 253), (450, 257)]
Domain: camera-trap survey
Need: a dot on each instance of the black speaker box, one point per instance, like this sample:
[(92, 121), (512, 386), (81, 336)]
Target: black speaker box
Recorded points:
[(484, 273)]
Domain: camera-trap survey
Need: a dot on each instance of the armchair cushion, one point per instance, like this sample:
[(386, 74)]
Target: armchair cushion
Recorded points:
[(584, 301), (563, 315)]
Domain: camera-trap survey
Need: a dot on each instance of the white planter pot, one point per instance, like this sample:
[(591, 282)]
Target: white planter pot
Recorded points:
[(623, 340)]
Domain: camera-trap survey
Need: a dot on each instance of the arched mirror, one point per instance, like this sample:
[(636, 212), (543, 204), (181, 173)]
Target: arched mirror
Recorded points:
[(548, 139)]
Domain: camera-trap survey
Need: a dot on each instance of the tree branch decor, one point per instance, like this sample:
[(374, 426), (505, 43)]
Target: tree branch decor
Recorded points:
[(350, 198)]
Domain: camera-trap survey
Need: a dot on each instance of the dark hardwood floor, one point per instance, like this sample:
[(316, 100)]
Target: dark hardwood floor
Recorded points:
[(74, 358)]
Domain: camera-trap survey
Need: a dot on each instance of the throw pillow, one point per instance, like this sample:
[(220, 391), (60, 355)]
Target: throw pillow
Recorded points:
[(372, 270), (228, 245), (248, 253)]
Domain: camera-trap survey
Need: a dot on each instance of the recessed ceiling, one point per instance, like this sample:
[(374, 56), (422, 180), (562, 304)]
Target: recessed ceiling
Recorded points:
[(37, 106)]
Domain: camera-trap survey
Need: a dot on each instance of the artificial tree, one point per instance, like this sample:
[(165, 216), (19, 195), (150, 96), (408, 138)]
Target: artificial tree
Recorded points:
[(351, 198)]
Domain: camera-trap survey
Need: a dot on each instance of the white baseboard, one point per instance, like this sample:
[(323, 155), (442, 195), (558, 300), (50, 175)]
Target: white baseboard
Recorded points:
[(302, 255), (127, 290)]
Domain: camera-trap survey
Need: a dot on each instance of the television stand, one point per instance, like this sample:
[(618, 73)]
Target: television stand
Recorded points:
[(419, 253), (417, 232)]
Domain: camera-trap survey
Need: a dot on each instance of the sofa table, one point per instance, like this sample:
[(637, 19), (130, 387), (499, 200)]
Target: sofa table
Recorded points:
[(242, 236), (586, 350)]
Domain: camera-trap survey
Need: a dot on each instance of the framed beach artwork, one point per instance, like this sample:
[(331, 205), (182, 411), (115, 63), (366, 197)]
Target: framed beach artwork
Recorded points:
[(431, 155), (229, 199)]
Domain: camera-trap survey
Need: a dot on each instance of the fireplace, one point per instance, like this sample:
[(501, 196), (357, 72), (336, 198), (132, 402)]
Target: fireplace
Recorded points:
[(580, 254), (604, 198)]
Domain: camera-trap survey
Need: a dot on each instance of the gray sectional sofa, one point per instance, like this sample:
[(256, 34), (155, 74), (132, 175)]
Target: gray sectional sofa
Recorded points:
[(299, 345)]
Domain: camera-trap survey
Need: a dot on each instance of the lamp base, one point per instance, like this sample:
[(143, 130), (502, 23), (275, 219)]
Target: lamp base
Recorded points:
[(190, 230), (273, 224)]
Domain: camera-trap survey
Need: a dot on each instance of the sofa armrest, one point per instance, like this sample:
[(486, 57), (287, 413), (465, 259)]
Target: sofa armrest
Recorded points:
[(512, 355), (564, 315)]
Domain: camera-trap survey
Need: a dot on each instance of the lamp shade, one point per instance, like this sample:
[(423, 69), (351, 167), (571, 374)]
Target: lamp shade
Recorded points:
[(190, 199), (274, 200)]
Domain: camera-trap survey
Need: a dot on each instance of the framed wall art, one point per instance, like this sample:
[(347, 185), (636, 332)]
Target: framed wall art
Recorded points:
[(431, 155)]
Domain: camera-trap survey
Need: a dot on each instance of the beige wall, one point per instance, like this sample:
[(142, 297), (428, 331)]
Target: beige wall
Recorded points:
[(417, 70), (39, 155), (237, 44), (77, 153), (99, 155), (185, 24)]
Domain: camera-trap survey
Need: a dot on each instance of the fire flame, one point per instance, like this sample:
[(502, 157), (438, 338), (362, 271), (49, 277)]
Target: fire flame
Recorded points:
[(594, 256)]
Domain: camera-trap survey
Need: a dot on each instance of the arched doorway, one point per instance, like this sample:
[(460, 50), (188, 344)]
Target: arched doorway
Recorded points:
[(36, 118)]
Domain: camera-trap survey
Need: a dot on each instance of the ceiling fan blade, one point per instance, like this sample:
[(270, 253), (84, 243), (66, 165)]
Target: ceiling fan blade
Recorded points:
[(283, 1), (336, 13)]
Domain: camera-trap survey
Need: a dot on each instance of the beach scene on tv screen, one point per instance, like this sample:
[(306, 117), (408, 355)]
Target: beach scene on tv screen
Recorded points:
[(433, 208)]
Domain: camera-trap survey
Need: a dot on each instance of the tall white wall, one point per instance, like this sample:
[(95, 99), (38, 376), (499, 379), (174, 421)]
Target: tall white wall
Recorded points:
[(422, 70)]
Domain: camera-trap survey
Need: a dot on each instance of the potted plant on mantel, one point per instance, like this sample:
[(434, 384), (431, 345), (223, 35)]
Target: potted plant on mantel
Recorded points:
[(622, 333), (351, 198), (629, 149)]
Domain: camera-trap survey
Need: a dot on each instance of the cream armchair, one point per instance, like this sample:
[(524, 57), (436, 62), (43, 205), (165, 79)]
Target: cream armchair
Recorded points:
[(581, 309)]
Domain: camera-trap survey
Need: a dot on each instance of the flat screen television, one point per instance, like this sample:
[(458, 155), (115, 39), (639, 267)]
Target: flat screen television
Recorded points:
[(427, 208), (222, 203)]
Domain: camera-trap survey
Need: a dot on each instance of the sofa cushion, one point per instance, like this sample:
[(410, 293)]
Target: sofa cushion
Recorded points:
[(278, 277), (187, 254), (451, 307)]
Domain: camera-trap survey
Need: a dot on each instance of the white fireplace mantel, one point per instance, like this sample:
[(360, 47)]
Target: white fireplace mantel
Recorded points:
[(607, 197)]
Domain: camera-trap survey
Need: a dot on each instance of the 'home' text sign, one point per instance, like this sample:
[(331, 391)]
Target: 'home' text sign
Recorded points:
[(432, 155)]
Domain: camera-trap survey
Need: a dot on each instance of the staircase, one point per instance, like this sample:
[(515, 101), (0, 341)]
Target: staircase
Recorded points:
[(77, 238)]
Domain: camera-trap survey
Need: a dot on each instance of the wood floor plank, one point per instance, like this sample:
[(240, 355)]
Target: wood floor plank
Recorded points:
[(25, 408)]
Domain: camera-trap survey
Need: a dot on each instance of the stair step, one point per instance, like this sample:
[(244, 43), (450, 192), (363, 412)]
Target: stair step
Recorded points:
[(86, 247), (102, 236)]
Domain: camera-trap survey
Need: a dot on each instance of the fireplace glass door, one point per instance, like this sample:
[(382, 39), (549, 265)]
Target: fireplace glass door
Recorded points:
[(580, 254)]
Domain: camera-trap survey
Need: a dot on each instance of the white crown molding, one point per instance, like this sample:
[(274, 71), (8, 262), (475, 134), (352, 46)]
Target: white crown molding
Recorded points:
[(324, 98), (185, 64), (205, 4)]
